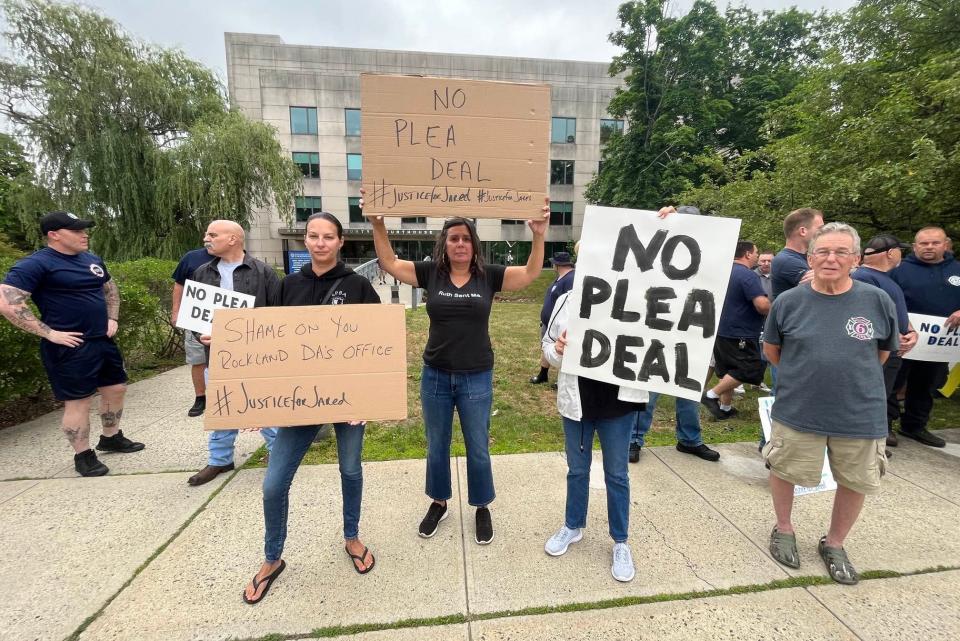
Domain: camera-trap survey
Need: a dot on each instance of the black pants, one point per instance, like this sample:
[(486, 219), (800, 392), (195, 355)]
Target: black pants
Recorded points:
[(890, 371), (922, 378)]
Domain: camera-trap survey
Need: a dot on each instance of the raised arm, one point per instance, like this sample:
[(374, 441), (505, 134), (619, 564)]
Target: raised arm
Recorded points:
[(13, 305), (402, 270), (112, 294), (515, 278)]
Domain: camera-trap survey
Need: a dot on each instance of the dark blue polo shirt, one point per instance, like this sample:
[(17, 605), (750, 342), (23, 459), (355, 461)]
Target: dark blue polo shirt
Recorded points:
[(189, 263), (559, 287), (887, 284), (739, 318), (788, 268), (68, 290)]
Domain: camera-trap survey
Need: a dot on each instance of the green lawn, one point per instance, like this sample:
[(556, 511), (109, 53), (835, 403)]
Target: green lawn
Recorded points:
[(525, 418)]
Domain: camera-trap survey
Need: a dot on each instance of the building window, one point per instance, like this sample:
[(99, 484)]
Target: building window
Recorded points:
[(608, 127), (354, 166), (512, 222), (307, 205), (309, 163), (303, 120), (561, 213), (356, 214), (561, 172), (351, 118), (563, 130), (417, 220)]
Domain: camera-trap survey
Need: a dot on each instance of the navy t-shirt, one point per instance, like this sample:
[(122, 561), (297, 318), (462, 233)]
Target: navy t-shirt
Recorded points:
[(459, 339), (189, 263), (887, 284), (787, 269), (739, 318), (68, 290), (559, 287)]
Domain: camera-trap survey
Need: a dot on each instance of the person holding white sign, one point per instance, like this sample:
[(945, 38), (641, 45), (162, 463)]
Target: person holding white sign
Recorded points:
[(587, 407), (458, 358), (323, 281), (830, 338), (233, 269), (930, 280), (195, 353)]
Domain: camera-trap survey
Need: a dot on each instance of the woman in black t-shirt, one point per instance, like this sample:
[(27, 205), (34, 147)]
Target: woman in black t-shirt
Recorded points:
[(458, 359)]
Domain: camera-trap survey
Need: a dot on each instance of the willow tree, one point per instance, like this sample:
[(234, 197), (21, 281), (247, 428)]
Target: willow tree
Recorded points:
[(140, 138)]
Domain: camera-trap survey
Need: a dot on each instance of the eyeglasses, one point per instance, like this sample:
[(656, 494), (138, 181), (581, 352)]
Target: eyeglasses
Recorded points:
[(839, 253)]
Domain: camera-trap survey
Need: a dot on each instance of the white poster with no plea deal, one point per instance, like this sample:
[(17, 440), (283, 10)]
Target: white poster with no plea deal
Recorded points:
[(647, 298)]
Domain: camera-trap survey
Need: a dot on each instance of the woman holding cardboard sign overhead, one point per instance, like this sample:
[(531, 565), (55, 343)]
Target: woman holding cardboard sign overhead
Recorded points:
[(458, 359), (325, 280)]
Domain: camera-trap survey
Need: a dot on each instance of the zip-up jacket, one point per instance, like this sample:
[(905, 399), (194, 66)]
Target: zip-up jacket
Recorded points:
[(932, 289), (306, 288)]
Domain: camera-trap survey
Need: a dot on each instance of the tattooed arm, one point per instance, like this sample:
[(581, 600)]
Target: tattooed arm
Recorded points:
[(13, 305), (112, 294)]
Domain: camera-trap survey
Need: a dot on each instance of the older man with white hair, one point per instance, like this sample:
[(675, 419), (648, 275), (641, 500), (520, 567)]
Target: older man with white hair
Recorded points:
[(830, 338)]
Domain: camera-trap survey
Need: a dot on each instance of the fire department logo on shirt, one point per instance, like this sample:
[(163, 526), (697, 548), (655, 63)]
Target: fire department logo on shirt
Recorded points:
[(954, 280), (96, 270), (860, 328)]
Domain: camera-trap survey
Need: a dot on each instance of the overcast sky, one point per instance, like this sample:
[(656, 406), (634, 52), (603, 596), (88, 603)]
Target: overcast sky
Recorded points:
[(567, 29)]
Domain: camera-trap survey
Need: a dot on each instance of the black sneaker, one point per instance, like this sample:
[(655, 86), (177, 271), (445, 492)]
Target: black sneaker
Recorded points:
[(923, 436), (118, 443), (730, 413), (87, 464), (199, 406), (891, 438), (713, 406), (701, 450), (484, 526), (429, 524), (634, 452)]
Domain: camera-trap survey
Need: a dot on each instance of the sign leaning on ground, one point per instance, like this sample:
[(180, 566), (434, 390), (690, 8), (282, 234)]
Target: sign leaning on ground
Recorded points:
[(827, 482), (934, 342), (647, 298), (199, 301), (448, 147), (288, 366)]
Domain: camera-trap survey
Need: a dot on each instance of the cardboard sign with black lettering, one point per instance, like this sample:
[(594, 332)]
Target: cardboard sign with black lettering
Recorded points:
[(449, 147), (199, 302), (647, 298), (935, 341), (287, 366)]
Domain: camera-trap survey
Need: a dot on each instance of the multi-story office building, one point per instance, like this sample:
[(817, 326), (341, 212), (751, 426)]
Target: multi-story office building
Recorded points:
[(311, 96)]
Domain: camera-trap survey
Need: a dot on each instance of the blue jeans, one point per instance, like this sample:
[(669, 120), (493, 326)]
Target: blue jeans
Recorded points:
[(614, 436), (220, 444), (288, 450), (688, 421), (471, 393)]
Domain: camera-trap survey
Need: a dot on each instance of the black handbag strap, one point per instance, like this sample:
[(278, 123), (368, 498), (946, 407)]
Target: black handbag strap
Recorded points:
[(333, 288)]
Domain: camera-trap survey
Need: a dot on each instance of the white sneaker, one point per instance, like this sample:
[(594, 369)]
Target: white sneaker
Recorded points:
[(559, 542), (622, 568), (739, 391), (764, 388)]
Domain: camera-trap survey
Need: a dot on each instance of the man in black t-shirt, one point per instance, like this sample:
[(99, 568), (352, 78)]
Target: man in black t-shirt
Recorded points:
[(193, 350), (79, 309)]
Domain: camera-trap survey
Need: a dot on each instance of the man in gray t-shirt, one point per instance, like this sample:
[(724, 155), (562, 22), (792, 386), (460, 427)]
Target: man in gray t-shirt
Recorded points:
[(829, 338)]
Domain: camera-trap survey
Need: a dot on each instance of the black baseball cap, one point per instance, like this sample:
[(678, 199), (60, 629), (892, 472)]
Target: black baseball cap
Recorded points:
[(882, 243), (561, 258), (57, 220)]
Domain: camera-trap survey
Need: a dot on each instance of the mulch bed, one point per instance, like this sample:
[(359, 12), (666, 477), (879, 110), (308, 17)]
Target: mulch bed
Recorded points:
[(26, 409)]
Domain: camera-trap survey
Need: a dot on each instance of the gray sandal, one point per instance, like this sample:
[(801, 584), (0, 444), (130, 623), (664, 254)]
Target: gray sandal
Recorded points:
[(783, 548), (838, 565)]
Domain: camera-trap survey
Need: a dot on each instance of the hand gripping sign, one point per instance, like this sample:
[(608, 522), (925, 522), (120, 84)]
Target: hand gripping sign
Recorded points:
[(647, 298)]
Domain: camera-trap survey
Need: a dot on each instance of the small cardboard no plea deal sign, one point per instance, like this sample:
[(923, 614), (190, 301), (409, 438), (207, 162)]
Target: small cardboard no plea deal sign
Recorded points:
[(199, 301)]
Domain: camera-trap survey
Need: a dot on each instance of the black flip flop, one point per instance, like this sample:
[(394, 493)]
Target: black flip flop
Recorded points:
[(360, 557), (268, 580)]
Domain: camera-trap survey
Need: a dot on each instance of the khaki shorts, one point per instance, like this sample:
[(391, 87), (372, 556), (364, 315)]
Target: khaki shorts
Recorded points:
[(797, 457), (196, 355)]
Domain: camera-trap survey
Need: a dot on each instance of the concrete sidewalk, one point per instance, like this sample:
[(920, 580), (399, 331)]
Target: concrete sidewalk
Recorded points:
[(141, 555)]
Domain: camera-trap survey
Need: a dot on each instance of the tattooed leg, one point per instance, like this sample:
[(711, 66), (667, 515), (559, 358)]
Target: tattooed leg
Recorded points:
[(111, 408), (76, 423)]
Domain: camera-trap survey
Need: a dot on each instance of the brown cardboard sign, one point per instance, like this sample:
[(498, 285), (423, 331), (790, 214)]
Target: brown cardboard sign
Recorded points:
[(287, 366), (449, 147)]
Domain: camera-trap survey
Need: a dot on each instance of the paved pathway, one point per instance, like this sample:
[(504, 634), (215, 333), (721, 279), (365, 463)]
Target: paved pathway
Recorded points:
[(148, 557)]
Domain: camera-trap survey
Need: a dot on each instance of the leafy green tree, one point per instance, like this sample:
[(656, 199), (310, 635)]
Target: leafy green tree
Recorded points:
[(138, 137)]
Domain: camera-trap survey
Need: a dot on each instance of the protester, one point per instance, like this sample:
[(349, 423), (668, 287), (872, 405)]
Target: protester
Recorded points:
[(589, 407), (790, 267), (232, 268), (564, 283), (764, 264), (458, 358), (882, 254), (195, 353), (688, 431), (830, 338), (325, 280), (736, 351), (79, 313), (930, 280)]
